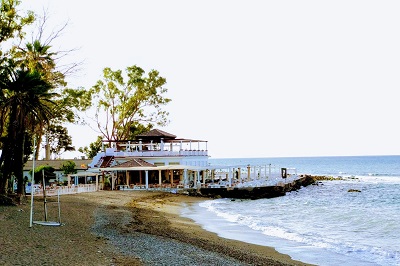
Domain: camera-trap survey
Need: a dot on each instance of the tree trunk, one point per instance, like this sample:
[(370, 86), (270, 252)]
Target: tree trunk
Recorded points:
[(19, 166), (6, 162)]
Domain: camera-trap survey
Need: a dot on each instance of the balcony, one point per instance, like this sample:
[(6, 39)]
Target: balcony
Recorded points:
[(155, 153)]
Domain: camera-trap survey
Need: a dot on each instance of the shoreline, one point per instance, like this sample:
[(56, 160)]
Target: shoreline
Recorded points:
[(124, 228), (187, 230)]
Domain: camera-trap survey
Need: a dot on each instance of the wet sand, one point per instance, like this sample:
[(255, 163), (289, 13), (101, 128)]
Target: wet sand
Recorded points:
[(122, 228)]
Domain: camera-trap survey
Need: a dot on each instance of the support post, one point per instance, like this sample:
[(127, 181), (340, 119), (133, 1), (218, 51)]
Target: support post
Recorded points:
[(185, 177), (147, 179), (230, 177), (198, 179)]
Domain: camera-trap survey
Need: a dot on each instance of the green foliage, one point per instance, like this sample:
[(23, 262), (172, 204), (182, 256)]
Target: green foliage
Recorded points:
[(12, 138), (122, 102), (27, 100), (137, 129), (11, 23), (58, 139), (39, 57), (68, 167), (93, 148), (45, 170), (29, 79), (73, 101)]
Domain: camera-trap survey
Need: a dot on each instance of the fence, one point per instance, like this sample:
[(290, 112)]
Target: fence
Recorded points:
[(52, 191)]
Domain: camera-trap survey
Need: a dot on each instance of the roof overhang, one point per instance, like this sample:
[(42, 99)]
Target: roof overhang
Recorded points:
[(184, 140), (84, 174), (161, 167)]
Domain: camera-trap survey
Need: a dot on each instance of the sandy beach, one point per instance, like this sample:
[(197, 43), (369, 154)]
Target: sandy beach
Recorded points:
[(122, 228)]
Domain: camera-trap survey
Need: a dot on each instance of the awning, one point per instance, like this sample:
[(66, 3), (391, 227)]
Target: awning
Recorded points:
[(84, 174)]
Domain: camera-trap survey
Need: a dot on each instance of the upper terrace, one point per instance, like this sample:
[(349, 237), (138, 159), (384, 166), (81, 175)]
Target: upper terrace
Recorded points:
[(156, 143)]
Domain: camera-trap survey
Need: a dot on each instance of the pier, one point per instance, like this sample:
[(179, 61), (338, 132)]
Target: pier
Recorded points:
[(271, 191)]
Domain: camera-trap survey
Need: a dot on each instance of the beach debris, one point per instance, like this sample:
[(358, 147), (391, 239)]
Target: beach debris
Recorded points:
[(353, 190)]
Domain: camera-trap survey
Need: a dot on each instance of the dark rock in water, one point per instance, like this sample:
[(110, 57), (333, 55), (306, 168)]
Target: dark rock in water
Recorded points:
[(354, 190)]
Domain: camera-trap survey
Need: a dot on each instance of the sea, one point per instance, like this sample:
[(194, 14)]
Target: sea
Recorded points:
[(322, 224)]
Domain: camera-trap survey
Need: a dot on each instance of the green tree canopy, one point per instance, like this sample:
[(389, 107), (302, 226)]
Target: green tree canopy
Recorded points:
[(11, 22), (122, 101), (26, 100), (44, 170), (58, 139), (32, 94), (68, 167)]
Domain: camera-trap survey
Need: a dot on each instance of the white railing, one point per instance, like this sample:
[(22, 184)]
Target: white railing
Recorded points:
[(52, 191), (161, 153)]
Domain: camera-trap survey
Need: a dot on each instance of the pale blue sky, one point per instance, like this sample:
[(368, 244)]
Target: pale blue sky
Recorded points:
[(254, 78)]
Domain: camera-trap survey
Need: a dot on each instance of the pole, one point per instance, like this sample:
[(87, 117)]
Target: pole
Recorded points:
[(44, 196), (32, 182), (269, 171), (59, 207)]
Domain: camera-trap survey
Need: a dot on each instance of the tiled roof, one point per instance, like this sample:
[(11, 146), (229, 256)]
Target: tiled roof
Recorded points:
[(81, 164), (107, 160), (156, 133), (137, 162)]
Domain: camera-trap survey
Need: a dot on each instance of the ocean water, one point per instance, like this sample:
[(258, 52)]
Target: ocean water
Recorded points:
[(322, 224)]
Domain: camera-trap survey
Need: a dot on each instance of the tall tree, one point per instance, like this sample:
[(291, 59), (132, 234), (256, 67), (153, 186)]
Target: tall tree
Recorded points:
[(27, 100), (29, 78), (122, 101), (39, 55), (59, 140), (11, 26)]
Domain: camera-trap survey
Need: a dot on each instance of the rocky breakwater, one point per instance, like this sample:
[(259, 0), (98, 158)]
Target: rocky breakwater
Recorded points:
[(255, 192)]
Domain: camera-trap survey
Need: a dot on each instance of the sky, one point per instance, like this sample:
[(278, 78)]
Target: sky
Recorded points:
[(254, 78)]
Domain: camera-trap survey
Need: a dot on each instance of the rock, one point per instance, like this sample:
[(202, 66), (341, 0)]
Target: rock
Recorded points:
[(354, 190)]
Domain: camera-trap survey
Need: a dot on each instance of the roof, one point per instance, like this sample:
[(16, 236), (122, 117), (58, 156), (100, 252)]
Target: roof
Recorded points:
[(81, 164), (161, 167), (185, 140), (156, 133), (136, 162)]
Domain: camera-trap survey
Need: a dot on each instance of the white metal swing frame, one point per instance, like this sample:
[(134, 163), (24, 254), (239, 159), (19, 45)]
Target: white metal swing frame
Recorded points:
[(45, 222)]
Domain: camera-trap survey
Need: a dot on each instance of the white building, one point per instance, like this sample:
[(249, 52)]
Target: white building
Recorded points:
[(155, 159)]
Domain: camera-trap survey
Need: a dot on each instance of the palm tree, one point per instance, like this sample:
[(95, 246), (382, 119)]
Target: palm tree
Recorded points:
[(37, 56), (27, 100)]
